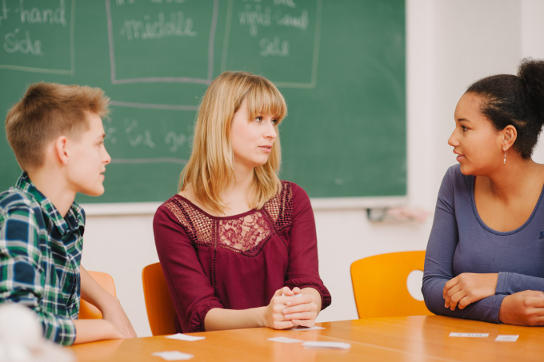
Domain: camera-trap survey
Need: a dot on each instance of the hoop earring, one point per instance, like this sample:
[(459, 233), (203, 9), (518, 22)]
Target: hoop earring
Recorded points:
[(504, 162)]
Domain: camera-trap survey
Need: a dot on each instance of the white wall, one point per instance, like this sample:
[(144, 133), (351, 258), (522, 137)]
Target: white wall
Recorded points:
[(450, 44)]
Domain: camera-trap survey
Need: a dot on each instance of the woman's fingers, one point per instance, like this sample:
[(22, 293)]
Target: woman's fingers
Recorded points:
[(450, 293), (303, 307), (464, 302), (301, 299), (450, 284), (301, 316), (301, 312), (455, 298), (285, 291)]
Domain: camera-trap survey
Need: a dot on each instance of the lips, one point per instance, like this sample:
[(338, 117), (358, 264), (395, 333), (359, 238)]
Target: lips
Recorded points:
[(460, 156)]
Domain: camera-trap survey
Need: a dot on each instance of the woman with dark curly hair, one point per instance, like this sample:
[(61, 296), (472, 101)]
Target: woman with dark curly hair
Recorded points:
[(485, 257)]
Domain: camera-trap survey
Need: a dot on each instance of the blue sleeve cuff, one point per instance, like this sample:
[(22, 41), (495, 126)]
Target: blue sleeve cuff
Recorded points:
[(496, 308), (502, 283)]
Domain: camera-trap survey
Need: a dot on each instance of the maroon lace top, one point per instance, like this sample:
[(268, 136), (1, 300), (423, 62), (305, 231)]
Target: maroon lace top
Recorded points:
[(236, 262)]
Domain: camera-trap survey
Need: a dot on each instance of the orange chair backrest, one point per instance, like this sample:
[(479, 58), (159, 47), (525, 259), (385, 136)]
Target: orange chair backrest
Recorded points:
[(160, 310), (86, 309), (380, 288)]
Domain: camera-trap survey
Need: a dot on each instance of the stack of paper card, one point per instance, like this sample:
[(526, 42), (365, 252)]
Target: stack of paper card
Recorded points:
[(333, 345), (285, 340), (470, 335), (173, 355), (185, 337), (507, 338)]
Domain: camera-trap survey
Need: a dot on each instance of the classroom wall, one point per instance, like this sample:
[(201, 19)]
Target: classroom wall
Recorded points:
[(450, 43)]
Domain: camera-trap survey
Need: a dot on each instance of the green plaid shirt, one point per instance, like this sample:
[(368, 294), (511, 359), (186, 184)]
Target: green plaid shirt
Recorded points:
[(40, 255)]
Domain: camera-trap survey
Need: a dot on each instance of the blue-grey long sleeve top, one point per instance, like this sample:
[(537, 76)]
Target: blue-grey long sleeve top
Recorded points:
[(460, 242)]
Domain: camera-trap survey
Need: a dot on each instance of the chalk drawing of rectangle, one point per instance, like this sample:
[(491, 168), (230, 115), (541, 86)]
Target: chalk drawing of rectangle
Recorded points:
[(70, 71), (137, 161), (208, 80), (170, 107), (313, 81)]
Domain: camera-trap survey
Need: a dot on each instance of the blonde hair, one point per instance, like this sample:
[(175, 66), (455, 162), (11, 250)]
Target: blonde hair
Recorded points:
[(210, 169), (47, 111)]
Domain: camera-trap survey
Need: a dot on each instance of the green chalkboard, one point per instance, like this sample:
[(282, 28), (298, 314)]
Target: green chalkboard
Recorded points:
[(339, 63)]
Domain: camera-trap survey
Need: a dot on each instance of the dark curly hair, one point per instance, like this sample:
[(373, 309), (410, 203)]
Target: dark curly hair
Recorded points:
[(515, 100)]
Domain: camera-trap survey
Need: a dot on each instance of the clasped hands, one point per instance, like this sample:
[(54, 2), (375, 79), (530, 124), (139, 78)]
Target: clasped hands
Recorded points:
[(286, 311), (524, 308)]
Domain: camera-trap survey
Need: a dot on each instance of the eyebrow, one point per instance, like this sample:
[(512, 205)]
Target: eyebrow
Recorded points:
[(463, 120)]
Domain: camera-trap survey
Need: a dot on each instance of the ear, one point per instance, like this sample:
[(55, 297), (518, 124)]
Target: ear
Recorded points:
[(61, 150), (509, 136)]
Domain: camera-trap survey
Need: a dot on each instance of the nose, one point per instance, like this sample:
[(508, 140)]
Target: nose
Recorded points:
[(107, 157), (453, 141), (271, 132)]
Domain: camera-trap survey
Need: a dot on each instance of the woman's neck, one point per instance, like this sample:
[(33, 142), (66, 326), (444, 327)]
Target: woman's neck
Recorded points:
[(515, 178), (237, 196)]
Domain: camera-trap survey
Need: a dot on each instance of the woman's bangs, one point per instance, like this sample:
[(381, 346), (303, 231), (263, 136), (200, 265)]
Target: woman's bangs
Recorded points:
[(263, 99)]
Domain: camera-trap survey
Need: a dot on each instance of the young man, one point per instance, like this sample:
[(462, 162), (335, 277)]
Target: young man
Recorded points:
[(57, 136)]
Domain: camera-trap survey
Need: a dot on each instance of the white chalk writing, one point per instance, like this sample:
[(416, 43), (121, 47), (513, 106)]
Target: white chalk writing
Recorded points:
[(19, 40), (43, 16), (255, 18), (274, 47), (300, 22), (289, 3), (178, 25), (4, 12), (13, 44), (175, 141), (137, 137)]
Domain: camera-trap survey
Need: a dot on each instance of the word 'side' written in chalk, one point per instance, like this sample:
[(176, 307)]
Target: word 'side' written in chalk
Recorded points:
[(22, 24)]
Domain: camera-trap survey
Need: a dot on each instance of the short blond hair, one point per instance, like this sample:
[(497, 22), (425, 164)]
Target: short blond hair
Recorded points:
[(210, 169), (47, 111)]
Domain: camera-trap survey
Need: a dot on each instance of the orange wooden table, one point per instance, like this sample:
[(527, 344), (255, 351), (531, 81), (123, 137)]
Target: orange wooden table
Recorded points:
[(421, 338)]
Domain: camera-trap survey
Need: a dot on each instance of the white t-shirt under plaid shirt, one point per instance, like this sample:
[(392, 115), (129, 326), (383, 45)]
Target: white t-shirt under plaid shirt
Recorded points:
[(40, 256)]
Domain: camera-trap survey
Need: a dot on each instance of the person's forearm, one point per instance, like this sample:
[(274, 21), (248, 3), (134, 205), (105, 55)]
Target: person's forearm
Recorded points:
[(221, 319), (91, 330), (108, 304), (486, 310), (93, 293), (510, 283)]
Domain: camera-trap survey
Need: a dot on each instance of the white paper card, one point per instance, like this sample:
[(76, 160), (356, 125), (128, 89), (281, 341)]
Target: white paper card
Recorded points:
[(306, 328), (173, 355), (285, 340), (507, 338), (472, 335), (333, 345), (185, 337)]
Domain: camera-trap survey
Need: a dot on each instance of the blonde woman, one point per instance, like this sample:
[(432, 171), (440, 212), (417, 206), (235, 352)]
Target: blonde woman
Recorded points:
[(238, 246)]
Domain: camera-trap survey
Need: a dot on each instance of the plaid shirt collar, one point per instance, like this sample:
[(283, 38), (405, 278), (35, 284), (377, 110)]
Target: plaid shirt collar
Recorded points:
[(66, 224)]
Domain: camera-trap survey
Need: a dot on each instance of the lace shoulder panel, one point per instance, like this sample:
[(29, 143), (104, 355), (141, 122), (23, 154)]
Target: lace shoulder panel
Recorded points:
[(280, 207), (198, 226)]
